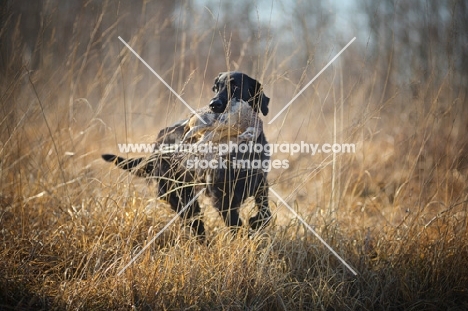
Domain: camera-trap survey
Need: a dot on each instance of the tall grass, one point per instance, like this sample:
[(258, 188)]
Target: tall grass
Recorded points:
[(396, 210)]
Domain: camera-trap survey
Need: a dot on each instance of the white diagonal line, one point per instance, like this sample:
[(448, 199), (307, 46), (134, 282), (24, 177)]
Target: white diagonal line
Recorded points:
[(161, 79), (315, 233), (160, 232), (308, 84)]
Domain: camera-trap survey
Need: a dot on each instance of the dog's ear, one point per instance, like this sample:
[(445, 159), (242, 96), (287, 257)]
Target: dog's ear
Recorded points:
[(264, 101), (260, 100), (215, 83)]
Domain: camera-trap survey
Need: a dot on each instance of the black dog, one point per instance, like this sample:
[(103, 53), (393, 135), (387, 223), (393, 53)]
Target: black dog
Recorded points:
[(238, 85), (228, 186)]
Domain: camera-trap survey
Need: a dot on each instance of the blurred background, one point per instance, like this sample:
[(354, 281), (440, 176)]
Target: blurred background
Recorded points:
[(70, 90), (396, 210)]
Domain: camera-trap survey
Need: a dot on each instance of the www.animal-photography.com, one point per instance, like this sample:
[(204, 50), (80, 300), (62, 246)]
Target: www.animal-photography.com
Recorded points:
[(233, 155)]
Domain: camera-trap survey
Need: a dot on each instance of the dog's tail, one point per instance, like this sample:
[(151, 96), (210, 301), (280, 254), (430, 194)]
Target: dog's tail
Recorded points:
[(142, 167), (125, 164)]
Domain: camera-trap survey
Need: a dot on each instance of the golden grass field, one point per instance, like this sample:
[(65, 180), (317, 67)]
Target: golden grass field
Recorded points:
[(395, 210)]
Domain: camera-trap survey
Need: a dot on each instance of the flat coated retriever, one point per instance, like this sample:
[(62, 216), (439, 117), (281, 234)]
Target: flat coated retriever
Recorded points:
[(229, 184)]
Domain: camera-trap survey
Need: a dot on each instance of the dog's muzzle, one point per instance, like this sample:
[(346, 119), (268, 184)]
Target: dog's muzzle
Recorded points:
[(216, 105)]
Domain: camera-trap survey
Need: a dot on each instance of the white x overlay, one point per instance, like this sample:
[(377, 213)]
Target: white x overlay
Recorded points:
[(161, 231), (314, 232), (162, 80), (274, 192), (311, 81)]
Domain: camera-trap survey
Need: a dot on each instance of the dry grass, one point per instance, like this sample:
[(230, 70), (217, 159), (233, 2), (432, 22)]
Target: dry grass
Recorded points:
[(396, 210)]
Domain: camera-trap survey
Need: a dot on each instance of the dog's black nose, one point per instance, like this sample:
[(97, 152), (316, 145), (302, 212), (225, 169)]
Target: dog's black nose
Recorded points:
[(216, 105)]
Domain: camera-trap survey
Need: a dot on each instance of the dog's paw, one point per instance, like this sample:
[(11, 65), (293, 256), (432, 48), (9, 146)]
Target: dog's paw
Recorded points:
[(260, 221)]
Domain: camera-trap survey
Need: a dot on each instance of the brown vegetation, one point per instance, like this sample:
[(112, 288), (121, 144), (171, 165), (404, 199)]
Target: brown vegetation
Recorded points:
[(396, 210)]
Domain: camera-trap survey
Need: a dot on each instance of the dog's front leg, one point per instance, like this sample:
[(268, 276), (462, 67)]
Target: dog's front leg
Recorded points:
[(263, 216)]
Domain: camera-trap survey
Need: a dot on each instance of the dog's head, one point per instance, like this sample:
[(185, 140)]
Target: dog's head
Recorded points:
[(233, 84)]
